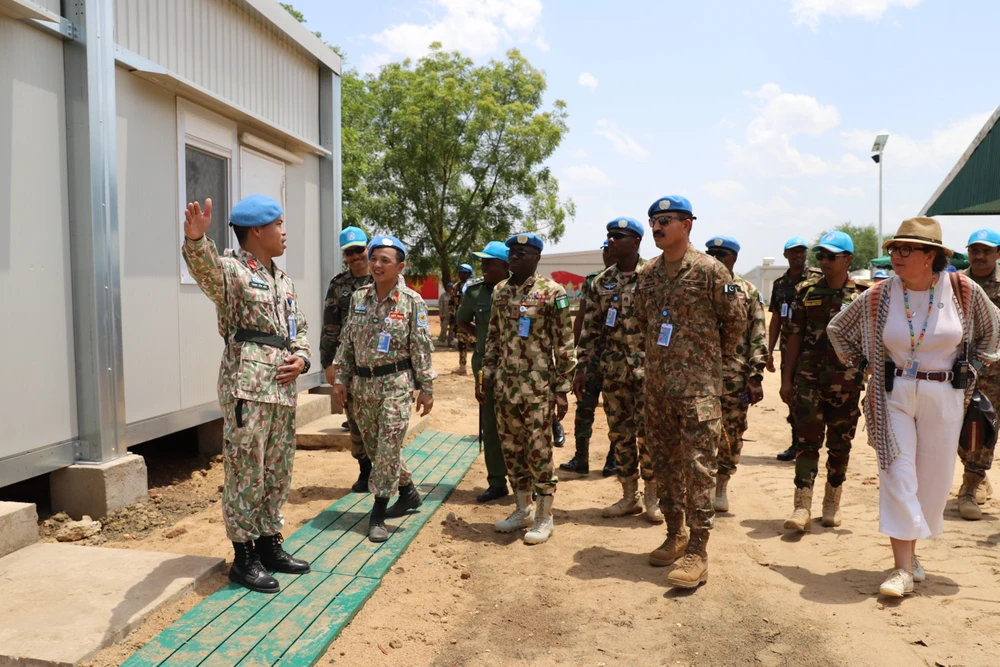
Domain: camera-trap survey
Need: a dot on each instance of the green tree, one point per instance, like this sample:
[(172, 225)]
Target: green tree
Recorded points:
[(865, 239)]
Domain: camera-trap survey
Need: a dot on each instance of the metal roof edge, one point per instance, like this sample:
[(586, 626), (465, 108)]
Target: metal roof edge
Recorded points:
[(962, 161), (276, 15)]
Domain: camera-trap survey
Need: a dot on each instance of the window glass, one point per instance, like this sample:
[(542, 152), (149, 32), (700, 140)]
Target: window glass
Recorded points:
[(207, 176)]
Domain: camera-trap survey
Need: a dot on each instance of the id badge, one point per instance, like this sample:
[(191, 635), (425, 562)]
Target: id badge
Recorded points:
[(784, 310), (383, 342), (291, 326), (666, 330), (523, 326), (910, 368), (612, 317)]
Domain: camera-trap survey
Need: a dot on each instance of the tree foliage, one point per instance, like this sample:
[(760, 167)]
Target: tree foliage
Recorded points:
[(865, 239)]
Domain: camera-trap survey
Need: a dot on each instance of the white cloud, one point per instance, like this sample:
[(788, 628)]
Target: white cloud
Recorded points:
[(585, 175), (941, 150), (622, 143), (724, 189), (809, 12), (474, 27), (785, 190), (372, 63), (588, 80), (579, 154), (855, 191)]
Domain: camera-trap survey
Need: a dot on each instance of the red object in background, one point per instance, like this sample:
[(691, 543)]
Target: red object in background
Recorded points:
[(427, 287), (566, 278)]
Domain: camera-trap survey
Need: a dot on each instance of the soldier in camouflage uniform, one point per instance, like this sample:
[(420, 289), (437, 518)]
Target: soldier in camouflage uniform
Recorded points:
[(742, 374), (976, 488), (336, 310), (690, 311), (782, 298), (266, 350), (528, 366), (824, 392), (588, 399), (464, 341), (610, 347), (385, 353)]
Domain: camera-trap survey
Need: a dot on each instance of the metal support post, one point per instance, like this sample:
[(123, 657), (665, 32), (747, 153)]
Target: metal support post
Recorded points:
[(89, 60), (330, 220), (881, 158)]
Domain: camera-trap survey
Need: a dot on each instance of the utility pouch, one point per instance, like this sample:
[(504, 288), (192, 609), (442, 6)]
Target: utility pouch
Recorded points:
[(890, 374)]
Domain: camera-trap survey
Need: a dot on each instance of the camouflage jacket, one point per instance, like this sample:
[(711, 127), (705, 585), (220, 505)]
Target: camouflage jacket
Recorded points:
[(587, 288), (751, 351), (611, 340), (336, 311), (402, 315), (815, 305), (248, 296), (455, 301), (989, 376), (783, 296), (528, 368), (701, 305)]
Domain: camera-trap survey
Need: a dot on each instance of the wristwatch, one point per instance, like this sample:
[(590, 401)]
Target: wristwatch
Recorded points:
[(308, 364), (758, 377)]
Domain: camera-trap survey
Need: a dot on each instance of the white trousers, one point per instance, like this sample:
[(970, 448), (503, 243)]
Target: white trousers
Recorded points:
[(926, 418)]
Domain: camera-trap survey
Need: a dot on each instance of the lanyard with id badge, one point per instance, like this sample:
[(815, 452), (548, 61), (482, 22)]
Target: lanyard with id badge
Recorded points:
[(524, 323), (612, 316), (912, 365)]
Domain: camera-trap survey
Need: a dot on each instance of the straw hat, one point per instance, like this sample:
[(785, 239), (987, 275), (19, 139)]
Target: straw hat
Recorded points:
[(925, 231)]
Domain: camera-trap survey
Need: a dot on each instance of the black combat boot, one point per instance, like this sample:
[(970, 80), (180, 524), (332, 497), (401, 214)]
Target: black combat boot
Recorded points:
[(409, 499), (610, 468), (788, 454), (376, 524), (361, 486), (493, 493), (558, 434), (249, 572), (580, 463), (275, 558)]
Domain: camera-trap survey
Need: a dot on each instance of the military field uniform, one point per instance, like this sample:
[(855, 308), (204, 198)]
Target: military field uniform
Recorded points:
[(336, 311), (382, 381), (988, 381), (749, 360), (826, 392), (529, 357), (475, 308), (463, 341), (586, 405), (260, 320), (692, 320), (610, 348)]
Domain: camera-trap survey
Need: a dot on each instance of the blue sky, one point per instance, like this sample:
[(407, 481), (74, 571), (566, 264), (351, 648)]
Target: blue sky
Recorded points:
[(762, 113)]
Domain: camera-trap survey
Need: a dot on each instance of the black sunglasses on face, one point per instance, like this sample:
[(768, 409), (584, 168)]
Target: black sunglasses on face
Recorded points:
[(829, 255), (356, 250), (718, 254), (618, 236)]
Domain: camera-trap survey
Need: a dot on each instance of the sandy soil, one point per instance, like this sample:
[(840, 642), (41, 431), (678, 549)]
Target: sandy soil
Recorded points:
[(588, 596)]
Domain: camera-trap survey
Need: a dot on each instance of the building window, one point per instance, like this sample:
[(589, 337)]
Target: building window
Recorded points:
[(207, 177)]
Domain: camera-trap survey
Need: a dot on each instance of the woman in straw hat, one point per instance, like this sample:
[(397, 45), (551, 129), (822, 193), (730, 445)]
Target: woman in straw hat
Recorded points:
[(911, 330)]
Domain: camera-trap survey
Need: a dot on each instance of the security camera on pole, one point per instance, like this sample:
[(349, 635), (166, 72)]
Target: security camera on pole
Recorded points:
[(879, 146)]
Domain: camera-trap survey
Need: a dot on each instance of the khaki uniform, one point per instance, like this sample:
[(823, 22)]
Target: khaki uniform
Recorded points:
[(700, 309), (529, 357), (611, 348), (586, 405), (749, 360), (258, 414), (382, 404), (988, 381), (463, 341)]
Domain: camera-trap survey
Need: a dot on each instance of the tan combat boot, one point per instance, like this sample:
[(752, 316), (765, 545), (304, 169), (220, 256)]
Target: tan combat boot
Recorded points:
[(984, 491), (721, 499), (520, 517), (676, 543), (692, 571), (801, 517), (651, 498), (967, 505), (629, 504), (831, 506), (542, 529)]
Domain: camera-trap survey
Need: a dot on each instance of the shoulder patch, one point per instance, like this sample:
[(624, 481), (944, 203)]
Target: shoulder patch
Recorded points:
[(760, 297), (422, 319), (562, 301)]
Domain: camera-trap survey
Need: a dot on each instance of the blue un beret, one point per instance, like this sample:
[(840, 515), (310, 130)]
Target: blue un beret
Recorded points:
[(626, 224), (386, 242), (255, 211), (528, 239), (353, 236), (725, 242), (670, 203)]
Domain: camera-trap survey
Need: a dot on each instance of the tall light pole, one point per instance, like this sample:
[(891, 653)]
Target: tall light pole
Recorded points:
[(877, 149)]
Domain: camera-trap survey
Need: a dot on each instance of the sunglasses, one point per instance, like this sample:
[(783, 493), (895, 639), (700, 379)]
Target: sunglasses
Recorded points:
[(664, 220), (355, 250), (717, 253), (618, 236), (829, 255), (903, 250)]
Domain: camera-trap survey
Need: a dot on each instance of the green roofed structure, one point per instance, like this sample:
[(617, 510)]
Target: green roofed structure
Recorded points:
[(973, 186)]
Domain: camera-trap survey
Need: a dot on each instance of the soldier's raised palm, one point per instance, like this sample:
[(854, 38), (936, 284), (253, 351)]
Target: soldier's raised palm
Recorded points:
[(196, 220)]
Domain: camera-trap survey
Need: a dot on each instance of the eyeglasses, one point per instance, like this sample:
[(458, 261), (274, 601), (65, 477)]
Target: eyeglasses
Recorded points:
[(718, 253), (354, 250), (618, 236), (829, 255), (903, 250), (664, 220)]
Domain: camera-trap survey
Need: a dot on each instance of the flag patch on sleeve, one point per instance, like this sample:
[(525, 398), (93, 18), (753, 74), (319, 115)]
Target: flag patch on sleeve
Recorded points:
[(562, 302)]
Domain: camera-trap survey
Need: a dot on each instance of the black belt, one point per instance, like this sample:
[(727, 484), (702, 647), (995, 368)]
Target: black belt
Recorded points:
[(933, 376), (387, 369), (261, 338)]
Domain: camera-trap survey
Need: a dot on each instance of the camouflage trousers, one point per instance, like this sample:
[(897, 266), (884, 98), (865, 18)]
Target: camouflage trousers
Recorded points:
[(464, 343), (257, 462), (357, 444), (583, 422), (981, 460), (791, 408), (818, 413), (383, 420), (682, 434), (623, 406), (526, 439), (734, 425)]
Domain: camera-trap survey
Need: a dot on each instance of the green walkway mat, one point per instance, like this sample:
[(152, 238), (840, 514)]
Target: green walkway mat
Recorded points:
[(239, 627)]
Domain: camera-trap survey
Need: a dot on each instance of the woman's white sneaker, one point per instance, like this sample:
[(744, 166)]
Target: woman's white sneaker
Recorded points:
[(919, 574), (898, 584)]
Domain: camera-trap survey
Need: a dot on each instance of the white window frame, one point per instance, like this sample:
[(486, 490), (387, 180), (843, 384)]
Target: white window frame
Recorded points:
[(207, 131)]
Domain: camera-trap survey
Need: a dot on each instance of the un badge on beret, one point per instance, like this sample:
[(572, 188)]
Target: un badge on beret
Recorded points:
[(350, 236), (718, 242), (387, 242), (622, 224), (981, 234), (829, 237), (522, 239), (664, 204)]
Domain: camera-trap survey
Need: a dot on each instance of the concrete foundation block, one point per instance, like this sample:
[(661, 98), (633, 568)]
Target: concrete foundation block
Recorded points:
[(311, 407), (210, 440), (98, 489), (18, 526)]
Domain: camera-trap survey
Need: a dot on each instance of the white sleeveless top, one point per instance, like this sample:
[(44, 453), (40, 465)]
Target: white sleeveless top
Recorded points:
[(940, 346)]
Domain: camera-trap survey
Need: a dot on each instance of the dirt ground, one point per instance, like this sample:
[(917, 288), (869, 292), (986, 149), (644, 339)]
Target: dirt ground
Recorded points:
[(588, 596)]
